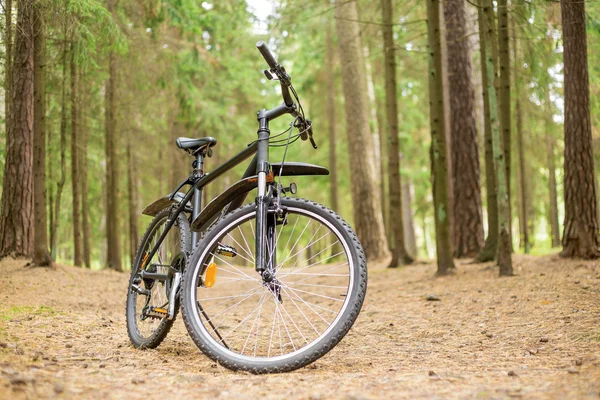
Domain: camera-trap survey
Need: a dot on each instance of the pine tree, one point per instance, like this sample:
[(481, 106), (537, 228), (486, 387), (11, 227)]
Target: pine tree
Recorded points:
[(468, 217), (41, 255), (438, 153), (580, 237), (368, 219), (17, 215), (399, 254)]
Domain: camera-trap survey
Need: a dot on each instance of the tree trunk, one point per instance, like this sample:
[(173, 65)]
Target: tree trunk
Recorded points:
[(504, 245), (133, 212), (523, 186), (382, 141), (446, 94), (17, 216), (368, 219), (330, 67), (489, 250), (399, 254), (439, 163), (425, 235), (580, 236), (504, 95), (331, 119), (41, 255), (468, 217), (523, 220), (8, 45), (63, 149), (373, 67), (112, 193), (76, 164), (85, 208), (410, 238), (551, 165)]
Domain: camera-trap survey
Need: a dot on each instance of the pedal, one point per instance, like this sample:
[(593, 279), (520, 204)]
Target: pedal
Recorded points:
[(227, 251), (156, 312)]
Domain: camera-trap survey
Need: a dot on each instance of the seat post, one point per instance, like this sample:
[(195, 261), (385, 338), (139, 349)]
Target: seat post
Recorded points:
[(198, 165)]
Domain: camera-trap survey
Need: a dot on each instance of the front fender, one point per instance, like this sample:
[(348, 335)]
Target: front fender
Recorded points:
[(154, 208), (235, 195)]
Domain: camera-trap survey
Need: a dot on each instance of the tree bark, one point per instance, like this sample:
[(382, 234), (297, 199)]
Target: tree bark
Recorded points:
[(382, 141), (410, 238), (85, 208), (399, 254), (112, 193), (504, 95), (551, 165), (504, 244), (374, 70), (41, 255), (489, 250), (446, 93), (75, 164), (523, 220), (368, 219), (63, 149), (8, 45), (468, 217), (523, 186), (331, 115), (580, 236), (333, 194), (439, 163), (133, 212), (16, 215)]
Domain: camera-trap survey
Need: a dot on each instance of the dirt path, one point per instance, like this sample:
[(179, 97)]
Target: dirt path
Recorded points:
[(62, 332)]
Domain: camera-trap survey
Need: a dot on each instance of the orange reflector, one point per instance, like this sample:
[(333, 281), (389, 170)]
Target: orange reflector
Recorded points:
[(211, 275)]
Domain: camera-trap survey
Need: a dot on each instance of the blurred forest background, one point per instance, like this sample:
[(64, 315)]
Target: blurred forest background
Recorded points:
[(96, 91)]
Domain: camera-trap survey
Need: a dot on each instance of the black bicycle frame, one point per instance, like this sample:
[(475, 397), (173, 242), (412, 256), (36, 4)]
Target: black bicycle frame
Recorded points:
[(198, 180)]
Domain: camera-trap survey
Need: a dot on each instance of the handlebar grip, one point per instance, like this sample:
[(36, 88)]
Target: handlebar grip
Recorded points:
[(266, 53)]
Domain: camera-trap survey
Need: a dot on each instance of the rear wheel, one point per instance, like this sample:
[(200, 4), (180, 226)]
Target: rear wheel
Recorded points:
[(147, 299), (317, 284)]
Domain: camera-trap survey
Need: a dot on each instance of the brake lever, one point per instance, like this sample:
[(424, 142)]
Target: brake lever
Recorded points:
[(270, 75), (310, 134)]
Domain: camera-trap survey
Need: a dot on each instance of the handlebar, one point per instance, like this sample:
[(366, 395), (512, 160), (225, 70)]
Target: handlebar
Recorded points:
[(266, 53), (285, 81), (278, 70)]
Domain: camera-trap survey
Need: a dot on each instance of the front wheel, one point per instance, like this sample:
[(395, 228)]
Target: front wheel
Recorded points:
[(316, 287)]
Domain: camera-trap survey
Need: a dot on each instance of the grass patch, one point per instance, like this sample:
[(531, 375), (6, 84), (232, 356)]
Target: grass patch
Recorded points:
[(16, 311), (587, 337)]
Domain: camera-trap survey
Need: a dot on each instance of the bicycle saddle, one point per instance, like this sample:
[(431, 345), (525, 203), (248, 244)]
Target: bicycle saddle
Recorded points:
[(191, 145)]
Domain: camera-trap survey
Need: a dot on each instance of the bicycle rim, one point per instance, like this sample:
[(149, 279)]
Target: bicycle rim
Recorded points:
[(253, 321), (167, 253)]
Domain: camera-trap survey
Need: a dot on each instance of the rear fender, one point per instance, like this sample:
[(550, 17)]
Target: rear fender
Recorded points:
[(172, 198)]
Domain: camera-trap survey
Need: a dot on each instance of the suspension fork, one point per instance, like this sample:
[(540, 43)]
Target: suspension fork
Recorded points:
[(263, 198)]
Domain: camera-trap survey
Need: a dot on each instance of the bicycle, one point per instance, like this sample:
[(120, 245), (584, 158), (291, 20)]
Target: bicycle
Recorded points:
[(303, 281)]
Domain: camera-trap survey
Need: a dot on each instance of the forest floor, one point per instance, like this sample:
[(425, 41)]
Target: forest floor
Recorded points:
[(536, 335)]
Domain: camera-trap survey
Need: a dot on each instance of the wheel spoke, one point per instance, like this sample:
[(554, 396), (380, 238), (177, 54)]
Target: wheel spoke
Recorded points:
[(314, 294), (241, 272), (250, 316), (301, 312)]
